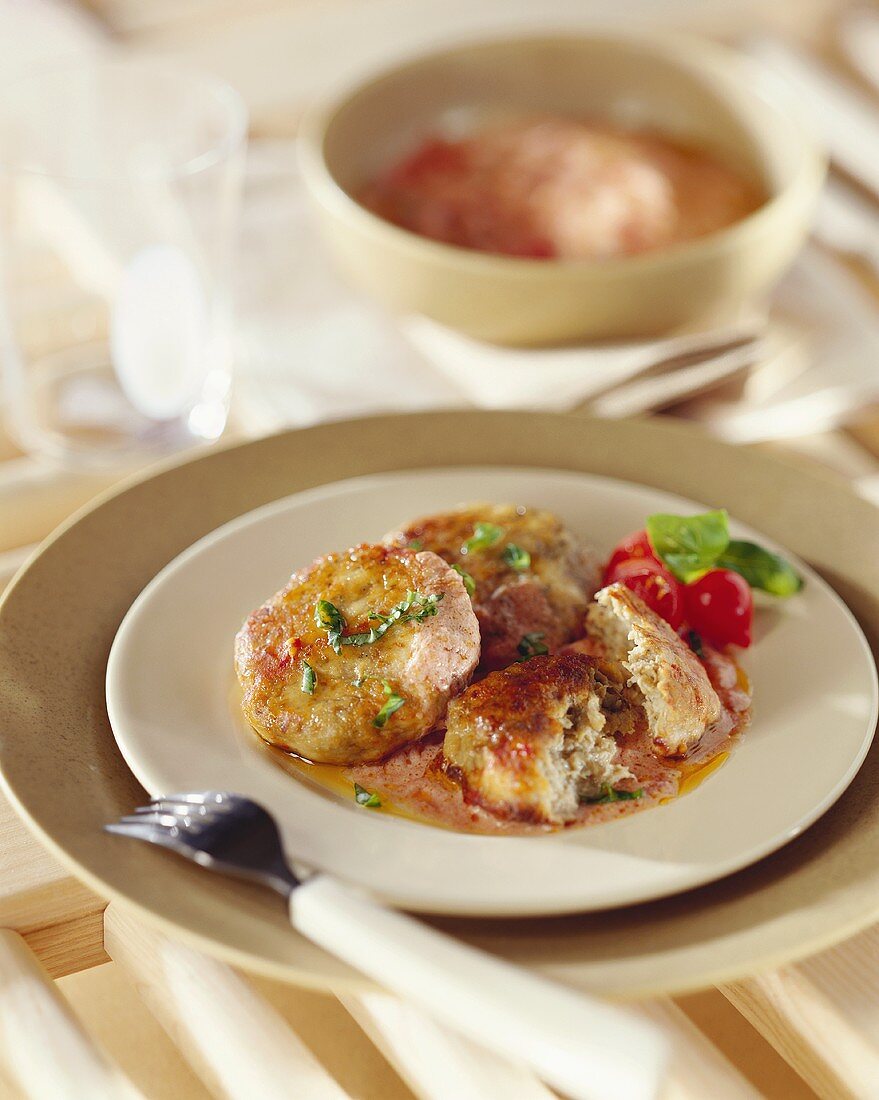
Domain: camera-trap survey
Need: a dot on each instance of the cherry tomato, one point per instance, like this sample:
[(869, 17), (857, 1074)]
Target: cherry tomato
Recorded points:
[(617, 567), (636, 545), (719, 606), (662, 592)]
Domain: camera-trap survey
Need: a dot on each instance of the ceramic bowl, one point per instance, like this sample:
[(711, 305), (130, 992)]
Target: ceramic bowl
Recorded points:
[(689, 89)]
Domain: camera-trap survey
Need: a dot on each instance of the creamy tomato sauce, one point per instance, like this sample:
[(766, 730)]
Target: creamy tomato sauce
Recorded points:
[(411, 782), (559, 188)]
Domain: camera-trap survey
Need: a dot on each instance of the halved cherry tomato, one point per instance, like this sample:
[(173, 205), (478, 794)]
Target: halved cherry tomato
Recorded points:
[(618, 567), (662, 592), (719, 606), (636, 545)]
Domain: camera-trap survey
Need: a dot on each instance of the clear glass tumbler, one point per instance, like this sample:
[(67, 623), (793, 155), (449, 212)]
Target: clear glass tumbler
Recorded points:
[(120, 188)]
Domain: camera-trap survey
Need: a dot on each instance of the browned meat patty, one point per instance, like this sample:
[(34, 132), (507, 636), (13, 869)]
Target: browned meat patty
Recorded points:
[(530, 579), (358, 654), (535, 740), (666, 677)]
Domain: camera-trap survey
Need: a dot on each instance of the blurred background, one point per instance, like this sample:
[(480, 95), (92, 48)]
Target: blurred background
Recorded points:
[(233, 279)]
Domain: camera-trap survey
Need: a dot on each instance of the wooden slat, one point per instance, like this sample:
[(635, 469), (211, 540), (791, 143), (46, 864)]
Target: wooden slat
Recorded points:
[(32, 1013), (35, 496), (108, 1006), (233, 1039), (438, 1064), (59, 918), (822, 1016), (698, 1069), (734, 1037)]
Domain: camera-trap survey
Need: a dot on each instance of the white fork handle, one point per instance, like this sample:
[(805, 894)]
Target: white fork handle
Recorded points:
[(587, 1049)]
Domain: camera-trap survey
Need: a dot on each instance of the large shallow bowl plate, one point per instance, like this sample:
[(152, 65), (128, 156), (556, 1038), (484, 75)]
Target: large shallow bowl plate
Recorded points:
[(62, 769), (179, 726)]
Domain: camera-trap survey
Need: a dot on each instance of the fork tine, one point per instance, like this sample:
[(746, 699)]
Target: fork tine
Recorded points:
[(169, 806), (216, 800), (151, 817), (139, 830)]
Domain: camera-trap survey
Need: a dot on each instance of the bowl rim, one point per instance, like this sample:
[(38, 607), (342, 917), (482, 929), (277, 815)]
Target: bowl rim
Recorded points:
[(677, 47)]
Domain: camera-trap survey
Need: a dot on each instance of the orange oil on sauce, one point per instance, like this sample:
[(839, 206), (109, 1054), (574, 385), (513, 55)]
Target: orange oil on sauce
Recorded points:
[(411, 785)]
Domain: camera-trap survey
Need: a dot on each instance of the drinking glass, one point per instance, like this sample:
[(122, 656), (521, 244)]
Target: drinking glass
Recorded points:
[(120, 187)]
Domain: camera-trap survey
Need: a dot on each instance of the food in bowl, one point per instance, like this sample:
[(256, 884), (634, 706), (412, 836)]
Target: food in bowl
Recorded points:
[(655, 82), (551, 187), (365, 671)]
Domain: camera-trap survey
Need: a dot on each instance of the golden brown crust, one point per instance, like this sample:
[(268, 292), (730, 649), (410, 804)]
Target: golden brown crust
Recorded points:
[(548, 598), (425, 662), (679, 700), (506, 737)]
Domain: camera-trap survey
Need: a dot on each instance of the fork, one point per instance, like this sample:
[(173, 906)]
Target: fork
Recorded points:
[(587, 1049)]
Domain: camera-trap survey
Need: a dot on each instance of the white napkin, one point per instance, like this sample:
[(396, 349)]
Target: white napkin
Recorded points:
[(827, 371), (557, 378)]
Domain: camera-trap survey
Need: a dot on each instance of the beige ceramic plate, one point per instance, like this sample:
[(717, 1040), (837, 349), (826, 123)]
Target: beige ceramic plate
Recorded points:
[(168, 696), (62, 768)]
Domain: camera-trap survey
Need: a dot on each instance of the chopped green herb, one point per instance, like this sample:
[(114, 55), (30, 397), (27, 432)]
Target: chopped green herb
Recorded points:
[(309, 679), (415, 608), (609, 794), (363, 797), (484, 535), (416, 544), (695, 642), (330, 618), (532, 645), (516, 558), (469, 582), (761, 568), (689, 545), (391, 705), (358, 680)]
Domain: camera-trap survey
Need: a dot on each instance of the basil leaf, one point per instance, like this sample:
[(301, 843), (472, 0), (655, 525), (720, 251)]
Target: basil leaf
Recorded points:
[(484, 535), (363, 797), (415, 608), (330, 618), (391, 705), (416, 544), (428, 606), (469, 582), (516, 558), (689, 545), (695, 642), (532, 645), (761, 568), (609, 794), (309, 678)]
